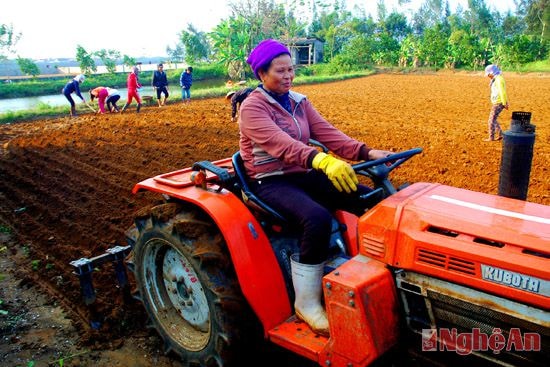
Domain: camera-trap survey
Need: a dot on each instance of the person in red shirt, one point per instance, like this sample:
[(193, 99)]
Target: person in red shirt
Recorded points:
[(101, 94), (133, 85), (109, 95)]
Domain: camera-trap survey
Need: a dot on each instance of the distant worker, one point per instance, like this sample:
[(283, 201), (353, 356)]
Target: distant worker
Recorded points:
[(73, 86), (186, 81), (236, 99), (103, 94), (112, 99), (133, 85), (160, 84), (499, 101)]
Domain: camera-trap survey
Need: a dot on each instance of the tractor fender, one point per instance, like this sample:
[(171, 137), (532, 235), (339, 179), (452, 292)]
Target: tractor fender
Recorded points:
[(256, 266)]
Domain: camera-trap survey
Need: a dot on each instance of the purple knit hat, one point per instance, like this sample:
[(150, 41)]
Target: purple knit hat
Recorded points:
[(262, 54)]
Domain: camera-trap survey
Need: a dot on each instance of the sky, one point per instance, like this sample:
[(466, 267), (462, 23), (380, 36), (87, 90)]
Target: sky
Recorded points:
[(138, 28)]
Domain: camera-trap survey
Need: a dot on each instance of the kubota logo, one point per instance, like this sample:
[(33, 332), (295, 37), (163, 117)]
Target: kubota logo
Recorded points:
[(516, 280), (450, 340)]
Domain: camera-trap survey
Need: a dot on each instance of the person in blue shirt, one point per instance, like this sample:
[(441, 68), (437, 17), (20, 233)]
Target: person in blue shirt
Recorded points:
[(73, 87), (186, 81), (160, 84)]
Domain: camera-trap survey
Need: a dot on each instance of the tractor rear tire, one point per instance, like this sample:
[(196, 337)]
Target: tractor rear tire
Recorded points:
[(187, 284)]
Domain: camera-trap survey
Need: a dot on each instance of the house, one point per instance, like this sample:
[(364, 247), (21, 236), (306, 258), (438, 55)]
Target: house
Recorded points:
[(305, 51)]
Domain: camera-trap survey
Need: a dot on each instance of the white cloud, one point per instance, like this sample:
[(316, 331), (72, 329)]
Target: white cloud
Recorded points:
[(136, 28)]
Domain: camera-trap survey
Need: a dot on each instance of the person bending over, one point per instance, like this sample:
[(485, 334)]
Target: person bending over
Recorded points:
[(74, 87), (237, 98)]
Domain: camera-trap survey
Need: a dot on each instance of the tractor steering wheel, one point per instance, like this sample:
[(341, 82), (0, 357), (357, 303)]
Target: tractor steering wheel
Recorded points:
[(378, 171)]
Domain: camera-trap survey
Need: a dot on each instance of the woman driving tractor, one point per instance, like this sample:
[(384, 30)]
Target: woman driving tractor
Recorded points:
[(294, 178)]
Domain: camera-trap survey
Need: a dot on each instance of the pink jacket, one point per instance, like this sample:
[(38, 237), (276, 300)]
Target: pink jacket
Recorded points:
[(275, 142), (102, 95)]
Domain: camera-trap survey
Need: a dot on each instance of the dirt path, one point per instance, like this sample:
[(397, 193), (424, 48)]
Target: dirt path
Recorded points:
[(65, 191)]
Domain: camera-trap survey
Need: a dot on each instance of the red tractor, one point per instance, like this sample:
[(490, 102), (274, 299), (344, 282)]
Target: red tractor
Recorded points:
[(450, 270)]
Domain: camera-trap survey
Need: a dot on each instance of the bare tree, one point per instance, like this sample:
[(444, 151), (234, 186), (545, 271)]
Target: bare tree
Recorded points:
[(8, 39), (264, 18)]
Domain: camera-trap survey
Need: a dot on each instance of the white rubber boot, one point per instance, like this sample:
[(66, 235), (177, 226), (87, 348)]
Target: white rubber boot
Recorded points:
[(307, 281)]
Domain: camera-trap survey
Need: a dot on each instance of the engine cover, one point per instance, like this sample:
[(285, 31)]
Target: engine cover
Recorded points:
[(494, 244)]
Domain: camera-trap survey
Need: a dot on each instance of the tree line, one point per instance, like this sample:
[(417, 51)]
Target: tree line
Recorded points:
[(432, 36)]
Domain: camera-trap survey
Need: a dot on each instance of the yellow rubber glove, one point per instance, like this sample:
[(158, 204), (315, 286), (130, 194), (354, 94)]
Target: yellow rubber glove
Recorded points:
[(339, 172)]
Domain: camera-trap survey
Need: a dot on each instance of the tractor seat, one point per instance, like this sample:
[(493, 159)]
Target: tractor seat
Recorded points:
[(249, 198), (254, 202)]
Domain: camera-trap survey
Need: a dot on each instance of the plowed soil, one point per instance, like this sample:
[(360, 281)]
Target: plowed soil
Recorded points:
[(65, 186)]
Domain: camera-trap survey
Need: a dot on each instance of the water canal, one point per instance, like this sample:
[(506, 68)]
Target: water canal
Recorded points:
[(54, 100)]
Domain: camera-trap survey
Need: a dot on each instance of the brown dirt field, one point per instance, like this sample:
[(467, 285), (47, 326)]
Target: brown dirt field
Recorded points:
[(65, 185)]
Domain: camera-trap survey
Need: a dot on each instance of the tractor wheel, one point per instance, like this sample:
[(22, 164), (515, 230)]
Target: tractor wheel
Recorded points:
[(187, 284)]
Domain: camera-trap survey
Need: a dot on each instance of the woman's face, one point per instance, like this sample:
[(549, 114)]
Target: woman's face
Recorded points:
[(278, 78)]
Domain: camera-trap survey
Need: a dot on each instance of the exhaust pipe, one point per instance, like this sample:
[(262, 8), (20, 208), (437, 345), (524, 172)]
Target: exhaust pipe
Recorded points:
[(517, 155)]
